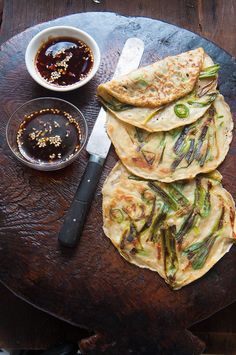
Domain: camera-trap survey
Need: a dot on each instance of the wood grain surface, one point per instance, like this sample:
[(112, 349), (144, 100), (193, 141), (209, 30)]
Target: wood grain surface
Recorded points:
[(214, 19), (27, 14), (25, 327)]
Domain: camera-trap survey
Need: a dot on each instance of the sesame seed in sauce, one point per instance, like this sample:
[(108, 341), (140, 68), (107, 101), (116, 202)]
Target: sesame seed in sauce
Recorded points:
[(48, 134), (64, 61)]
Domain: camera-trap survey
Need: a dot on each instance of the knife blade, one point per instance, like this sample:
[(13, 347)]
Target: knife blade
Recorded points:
[(98, 147), (99, 142)]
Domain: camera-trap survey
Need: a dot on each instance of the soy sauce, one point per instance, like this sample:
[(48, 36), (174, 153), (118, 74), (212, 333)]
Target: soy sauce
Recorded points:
[(64, 61), (48, 136)]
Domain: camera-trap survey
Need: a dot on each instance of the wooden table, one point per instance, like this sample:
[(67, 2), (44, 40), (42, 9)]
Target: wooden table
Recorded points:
[(21, 325)]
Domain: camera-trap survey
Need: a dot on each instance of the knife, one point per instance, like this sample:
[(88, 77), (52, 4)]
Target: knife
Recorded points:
[(98, 148)]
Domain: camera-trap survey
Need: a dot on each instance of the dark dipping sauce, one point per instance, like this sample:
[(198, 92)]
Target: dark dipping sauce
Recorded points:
[(64, 61), (48, 136)]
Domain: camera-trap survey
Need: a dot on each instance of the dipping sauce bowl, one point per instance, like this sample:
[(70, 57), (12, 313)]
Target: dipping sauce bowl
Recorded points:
[(47, 133), (62, 58)]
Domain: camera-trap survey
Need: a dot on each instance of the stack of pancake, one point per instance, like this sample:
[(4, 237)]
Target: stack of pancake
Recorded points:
[(164, 207)]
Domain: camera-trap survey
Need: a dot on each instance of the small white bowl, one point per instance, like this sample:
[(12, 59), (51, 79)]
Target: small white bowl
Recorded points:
[(54, 32)]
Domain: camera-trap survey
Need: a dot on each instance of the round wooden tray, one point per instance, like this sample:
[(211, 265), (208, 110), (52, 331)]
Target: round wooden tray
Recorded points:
[(129, 309)]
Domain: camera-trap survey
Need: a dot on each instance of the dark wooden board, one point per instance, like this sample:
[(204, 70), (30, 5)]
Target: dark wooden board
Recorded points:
[(23, 326), (92, 286)]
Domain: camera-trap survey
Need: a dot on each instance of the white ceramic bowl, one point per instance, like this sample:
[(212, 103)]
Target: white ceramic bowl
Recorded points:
[(54, 32)]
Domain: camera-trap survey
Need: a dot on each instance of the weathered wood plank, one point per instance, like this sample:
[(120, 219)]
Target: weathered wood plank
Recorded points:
[(214, 19)]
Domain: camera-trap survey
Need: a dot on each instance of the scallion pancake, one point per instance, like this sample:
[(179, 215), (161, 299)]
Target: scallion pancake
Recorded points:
[(181, 153), (159, 83), (179, 230), (178, 113)]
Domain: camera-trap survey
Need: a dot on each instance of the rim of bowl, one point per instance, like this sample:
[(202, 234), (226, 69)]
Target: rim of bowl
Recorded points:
[(47, 166), (36, 75)]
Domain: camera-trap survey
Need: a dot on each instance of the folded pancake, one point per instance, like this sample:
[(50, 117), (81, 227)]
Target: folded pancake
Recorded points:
[(181, 153), (159, 83), (179, 230), (178, 113)]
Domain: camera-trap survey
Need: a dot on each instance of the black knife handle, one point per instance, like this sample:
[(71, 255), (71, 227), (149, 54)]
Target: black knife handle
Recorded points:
[(74, 221)]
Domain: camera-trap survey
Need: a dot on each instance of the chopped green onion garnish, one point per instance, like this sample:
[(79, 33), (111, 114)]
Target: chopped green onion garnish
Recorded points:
[(151, 115), (167, 198), (211, 98), (181, 110), (143, 82), (115, 105), (139, 134), (148, 156), (116, 215), (209, 72), (136, 178), (147, 196), (170, 254)]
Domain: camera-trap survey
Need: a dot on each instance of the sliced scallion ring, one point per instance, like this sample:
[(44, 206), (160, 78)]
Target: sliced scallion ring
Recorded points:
[(181, 110)]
